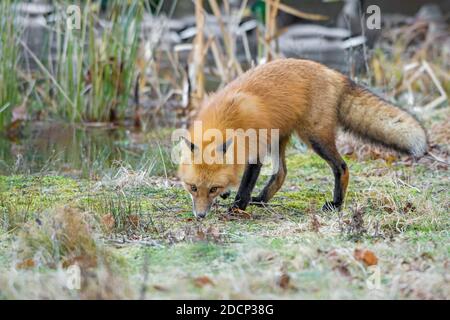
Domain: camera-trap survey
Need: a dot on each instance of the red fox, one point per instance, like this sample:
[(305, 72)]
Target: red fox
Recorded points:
[(294, 96)]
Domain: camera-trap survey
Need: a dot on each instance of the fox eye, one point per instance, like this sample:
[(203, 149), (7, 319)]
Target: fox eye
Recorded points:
[(194, 188), (213, 190)]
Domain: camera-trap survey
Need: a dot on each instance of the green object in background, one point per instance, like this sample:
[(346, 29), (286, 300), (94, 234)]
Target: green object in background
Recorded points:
[(259, 11), (104, 5)]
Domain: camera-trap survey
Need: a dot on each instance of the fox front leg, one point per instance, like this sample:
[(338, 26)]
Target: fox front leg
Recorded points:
[(276, 180), (248, 182)]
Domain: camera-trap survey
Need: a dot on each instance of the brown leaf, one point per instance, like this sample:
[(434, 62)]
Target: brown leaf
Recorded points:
[(284, 281), (14, 129), (26, 264), (237, 213), (160, 288), (409, 207), (203, 281), (366, 256), (108, 222)]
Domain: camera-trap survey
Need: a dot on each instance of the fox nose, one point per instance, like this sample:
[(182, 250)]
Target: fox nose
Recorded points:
[(200, 215)]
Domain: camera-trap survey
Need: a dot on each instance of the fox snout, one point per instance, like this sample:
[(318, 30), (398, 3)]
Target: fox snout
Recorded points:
[(200, 215), (201, 207)]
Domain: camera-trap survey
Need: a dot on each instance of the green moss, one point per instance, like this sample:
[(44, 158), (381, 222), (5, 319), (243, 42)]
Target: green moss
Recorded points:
[(400, 221)]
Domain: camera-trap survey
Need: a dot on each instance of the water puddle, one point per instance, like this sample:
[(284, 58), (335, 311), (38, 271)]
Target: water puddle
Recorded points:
[(84, 151)]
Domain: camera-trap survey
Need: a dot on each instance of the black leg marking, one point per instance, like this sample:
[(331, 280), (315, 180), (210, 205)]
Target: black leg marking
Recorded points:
[(248, 182), (276, 180), (263, 196), (339, 168), (272, 186)]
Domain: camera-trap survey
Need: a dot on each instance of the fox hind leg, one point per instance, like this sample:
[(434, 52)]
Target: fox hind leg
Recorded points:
[(329, 153)]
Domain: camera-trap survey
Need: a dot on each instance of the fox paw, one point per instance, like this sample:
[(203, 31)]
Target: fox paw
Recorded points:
[(330, 206), (257, 201)]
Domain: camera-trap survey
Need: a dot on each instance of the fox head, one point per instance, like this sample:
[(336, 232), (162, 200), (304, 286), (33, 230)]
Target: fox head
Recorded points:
[(204, 182)]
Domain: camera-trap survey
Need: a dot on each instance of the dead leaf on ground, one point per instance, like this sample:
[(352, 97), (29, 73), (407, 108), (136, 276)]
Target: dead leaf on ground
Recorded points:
[(236, 214), (160, 288), (26, 264), (409, 207), (108, 222), (366, 256), (202, 281), (284, 281)]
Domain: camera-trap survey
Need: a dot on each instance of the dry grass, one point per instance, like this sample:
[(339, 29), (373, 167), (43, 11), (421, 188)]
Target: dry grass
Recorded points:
[(47, 247), (134, 236), (60, 237)]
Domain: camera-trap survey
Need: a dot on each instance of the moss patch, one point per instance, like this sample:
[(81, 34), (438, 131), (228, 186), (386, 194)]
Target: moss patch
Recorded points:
[(397, 211)]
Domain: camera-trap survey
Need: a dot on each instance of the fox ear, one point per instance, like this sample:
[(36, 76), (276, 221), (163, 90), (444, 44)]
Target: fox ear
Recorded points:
[(224, 147), (191, 146)]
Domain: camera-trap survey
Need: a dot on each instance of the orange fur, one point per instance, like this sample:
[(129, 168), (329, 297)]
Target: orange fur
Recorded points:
[(307, 98)]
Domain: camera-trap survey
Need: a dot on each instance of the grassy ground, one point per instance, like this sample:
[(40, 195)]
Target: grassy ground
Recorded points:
[(133, 236)]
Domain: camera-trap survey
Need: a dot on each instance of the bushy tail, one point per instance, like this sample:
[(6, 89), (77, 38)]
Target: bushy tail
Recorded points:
[(370, 117)]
